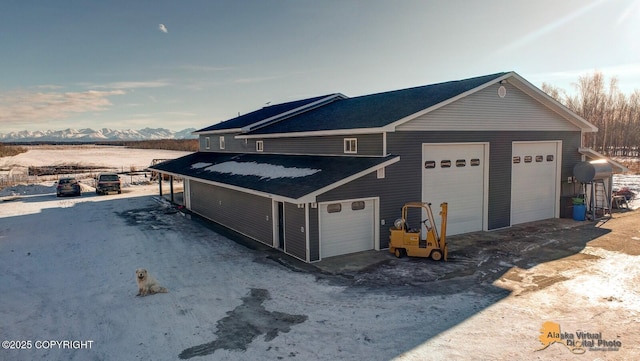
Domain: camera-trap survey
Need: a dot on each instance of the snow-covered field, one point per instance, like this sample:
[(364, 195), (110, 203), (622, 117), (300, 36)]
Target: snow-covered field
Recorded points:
[(67, 292), (120, 158)]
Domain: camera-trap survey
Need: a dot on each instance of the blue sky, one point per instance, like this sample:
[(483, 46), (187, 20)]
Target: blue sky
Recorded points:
[(96, 64)]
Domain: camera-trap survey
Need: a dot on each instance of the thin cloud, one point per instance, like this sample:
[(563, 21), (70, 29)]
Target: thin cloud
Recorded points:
[(33, 107), (254, 80), (206, 68), (163, 28), (49, 87), (132, 85)]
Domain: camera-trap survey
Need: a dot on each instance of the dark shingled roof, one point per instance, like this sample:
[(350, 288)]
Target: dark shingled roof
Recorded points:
[(375, 110), (261, 114), (328, 170)]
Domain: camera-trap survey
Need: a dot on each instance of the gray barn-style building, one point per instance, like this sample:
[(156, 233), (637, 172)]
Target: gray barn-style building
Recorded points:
[(328, 175)]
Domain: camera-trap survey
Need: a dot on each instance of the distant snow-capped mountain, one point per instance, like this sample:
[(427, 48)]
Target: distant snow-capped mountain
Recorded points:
[(90, 135)]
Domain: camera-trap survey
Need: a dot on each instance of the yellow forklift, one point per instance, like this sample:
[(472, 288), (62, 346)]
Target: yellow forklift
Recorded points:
[(406, 241)]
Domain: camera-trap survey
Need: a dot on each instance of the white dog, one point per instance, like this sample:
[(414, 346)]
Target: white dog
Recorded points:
[(147, 285)]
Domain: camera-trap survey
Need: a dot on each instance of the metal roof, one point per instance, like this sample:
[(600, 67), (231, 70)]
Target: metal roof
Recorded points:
[(294, 178)]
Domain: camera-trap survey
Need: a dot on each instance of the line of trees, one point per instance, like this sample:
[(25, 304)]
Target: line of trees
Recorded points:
[(603, 104)]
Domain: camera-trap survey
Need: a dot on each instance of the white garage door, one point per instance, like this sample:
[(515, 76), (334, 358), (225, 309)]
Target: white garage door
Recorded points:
[(455, 173), (534, 178), (346, 227)]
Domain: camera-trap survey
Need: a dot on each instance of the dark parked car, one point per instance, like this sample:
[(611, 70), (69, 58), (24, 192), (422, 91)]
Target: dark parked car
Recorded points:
[(108, 182), (68, 186)]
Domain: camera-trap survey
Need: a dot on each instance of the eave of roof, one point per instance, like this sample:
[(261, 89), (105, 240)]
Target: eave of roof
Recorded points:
[(329, 172), (375, 113), (590, 153), (528, 88)]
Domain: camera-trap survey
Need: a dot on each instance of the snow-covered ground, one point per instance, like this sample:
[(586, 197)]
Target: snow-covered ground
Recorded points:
[(68, 265), (67, 274), (120, 158)]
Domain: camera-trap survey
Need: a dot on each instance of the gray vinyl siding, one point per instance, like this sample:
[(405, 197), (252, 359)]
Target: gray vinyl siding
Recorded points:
[(231, 144), (403, 180), (368, 144), (485, 110), (295, 231), (314, 235), (244, 213)]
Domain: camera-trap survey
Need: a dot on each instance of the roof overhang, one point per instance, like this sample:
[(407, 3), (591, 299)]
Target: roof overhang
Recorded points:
[(315, 133), (523, 85), (291, 178), (218, 131), (592, 154), (531, 90)]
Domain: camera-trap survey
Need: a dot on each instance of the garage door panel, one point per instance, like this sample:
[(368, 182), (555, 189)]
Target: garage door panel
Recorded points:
[(461, 184), (534, 181), (347, 230)]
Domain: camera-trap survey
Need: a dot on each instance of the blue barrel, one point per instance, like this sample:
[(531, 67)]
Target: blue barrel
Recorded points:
[(579, 212)]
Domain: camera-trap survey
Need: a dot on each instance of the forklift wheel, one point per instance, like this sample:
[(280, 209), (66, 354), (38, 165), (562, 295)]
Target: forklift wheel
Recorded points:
[(436, 255), (399, 252)]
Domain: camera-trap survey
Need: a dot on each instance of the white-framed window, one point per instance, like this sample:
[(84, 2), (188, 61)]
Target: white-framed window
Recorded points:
[(221, 142), (351, 145), (207, 143), (259, 146)]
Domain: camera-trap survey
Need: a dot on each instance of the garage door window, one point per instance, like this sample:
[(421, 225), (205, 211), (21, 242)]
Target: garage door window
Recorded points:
[(430, 164), (461, 163), (528, 159), (334, 208), (516, 159), (474, 162), (356, 206), (445, 164), (539, 158), (550, 158)]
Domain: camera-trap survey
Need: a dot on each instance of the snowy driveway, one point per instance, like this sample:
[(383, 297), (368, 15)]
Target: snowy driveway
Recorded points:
[(67, 274), (68, 267)]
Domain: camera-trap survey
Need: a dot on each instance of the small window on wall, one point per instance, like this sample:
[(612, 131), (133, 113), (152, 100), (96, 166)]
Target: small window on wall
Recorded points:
[(474, 162), (334, 208), (516, 159), (356, 206), (445, 164), (461, 163), (430, 164), (539, 158), (550, 158), (221, 142), (207, 143), (528, 159), (259, 146), (351, 145)]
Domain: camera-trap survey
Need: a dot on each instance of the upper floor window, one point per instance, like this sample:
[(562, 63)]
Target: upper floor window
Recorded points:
[(259, 146), (207, 143), (351, 145), (221, 142)]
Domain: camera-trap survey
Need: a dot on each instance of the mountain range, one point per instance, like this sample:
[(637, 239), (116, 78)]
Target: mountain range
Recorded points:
[(90, 135)]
